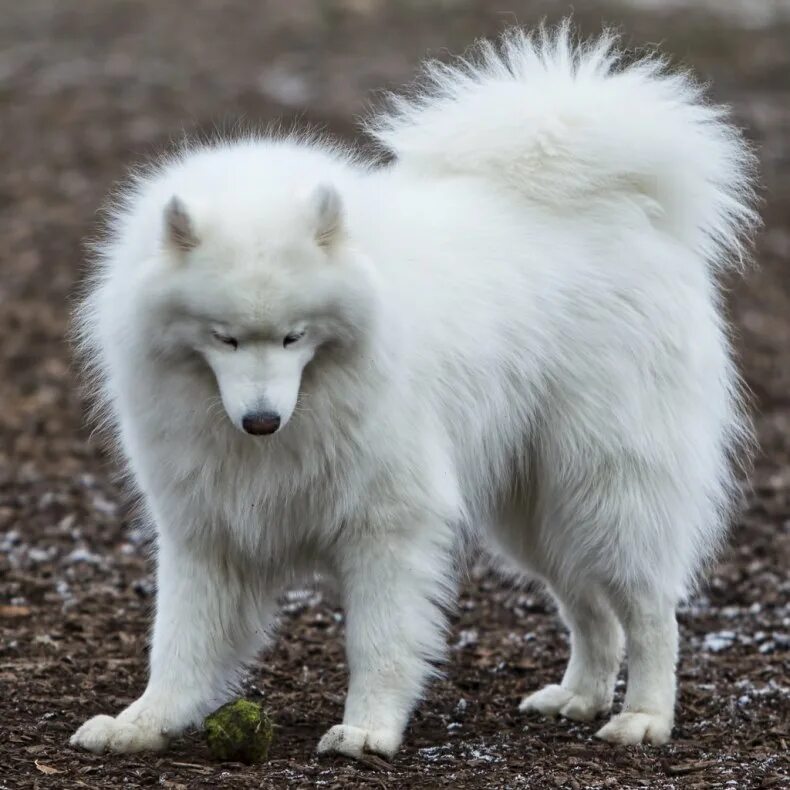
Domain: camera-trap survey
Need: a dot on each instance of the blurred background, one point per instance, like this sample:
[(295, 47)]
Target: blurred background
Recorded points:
[(89, 88)]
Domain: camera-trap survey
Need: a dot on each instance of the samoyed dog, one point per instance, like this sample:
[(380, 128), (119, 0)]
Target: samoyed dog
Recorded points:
[(506, 331)]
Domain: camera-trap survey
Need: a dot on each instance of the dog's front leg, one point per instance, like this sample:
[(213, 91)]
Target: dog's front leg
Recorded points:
[(210, 619), (395, 585)]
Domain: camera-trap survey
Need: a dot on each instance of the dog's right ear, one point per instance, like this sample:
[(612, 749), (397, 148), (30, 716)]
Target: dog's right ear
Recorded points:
[(327, 210), (180, 232)]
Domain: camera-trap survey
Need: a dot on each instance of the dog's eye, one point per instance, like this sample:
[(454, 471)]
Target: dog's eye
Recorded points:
[(226, 339), (292, 337)]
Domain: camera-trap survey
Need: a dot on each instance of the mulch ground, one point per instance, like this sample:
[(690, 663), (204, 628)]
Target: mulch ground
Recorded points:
[(88, 88)]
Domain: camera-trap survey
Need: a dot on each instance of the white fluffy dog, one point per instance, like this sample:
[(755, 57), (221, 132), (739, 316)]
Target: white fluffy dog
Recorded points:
[(510, 332)]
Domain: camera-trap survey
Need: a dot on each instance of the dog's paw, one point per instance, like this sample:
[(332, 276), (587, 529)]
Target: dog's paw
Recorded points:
[(556, 700), (355, 742), (633, 727), (107, 734)]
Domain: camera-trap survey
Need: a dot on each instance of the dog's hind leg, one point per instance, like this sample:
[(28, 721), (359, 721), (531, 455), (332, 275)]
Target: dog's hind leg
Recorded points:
[(587, 687), (209, 621), (395, 585), (652, 645)]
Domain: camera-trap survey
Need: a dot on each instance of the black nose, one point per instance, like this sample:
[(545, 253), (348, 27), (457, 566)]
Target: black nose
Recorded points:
[(261, 423)]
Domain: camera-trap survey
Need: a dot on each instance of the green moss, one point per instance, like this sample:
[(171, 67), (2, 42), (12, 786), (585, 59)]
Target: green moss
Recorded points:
[(239, 731)]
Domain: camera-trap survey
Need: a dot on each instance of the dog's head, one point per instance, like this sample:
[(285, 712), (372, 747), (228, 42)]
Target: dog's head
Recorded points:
[(258, 288)]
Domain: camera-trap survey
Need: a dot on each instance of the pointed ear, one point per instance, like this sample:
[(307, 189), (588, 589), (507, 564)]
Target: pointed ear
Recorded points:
[(327, 209), (179, 227)]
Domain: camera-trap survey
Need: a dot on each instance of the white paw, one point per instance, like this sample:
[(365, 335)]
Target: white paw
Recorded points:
[(107, 734), (354, 741), (556, 700), (635, 727)]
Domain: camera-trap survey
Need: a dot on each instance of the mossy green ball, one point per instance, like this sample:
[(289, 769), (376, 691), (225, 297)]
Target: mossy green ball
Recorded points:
[(239, 731)]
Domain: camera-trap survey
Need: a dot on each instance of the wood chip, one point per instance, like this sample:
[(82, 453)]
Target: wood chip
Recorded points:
[(194, 767), (681, 769), (374, 761), (14, 611)]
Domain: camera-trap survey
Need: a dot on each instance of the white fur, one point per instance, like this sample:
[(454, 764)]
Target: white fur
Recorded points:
[(510, 333)]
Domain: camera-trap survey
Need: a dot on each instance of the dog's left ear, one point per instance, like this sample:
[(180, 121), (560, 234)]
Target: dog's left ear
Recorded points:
[(327, 211)]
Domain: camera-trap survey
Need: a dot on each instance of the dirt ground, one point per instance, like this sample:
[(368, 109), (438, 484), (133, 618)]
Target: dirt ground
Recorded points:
[(88, 88)]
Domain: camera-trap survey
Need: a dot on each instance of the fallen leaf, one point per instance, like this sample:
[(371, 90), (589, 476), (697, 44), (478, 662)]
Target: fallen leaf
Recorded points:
[(47, 769)]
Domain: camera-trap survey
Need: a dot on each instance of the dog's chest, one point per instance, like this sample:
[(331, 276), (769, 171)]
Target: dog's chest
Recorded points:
[(263, 509)]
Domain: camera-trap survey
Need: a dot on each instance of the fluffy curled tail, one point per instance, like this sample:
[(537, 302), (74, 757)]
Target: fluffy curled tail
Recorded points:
[(570, 124)]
